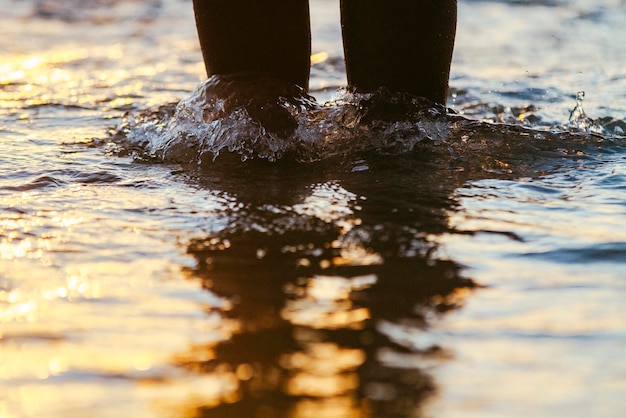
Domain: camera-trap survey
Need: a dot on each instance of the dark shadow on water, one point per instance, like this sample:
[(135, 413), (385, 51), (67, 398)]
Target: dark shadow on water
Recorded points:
[(333, 283)]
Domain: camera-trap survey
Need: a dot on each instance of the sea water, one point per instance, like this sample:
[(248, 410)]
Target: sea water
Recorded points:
[(379, 257)]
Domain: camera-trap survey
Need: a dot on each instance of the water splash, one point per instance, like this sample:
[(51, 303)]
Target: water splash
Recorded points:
[(578, 119), (254, 116), (257, 117)]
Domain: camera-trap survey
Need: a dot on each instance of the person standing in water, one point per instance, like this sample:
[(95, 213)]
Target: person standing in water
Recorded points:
[(403, 45)]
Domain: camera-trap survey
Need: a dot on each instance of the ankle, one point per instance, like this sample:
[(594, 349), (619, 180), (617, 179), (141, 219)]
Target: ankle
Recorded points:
[(404, 45), (272, 38)]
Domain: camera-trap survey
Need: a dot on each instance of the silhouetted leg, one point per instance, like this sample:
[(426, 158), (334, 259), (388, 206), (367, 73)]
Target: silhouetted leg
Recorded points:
[(404, 45), (266, 36)]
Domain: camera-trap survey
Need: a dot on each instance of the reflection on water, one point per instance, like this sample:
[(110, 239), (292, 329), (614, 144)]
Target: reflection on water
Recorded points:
[(480, 274), (331, 301)]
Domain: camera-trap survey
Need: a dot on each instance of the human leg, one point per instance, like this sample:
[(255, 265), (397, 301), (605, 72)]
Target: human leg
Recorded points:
[(271, 37), (404, 45)]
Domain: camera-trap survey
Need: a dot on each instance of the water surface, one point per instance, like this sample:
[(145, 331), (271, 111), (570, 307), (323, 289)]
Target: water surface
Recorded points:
[(438, 264)]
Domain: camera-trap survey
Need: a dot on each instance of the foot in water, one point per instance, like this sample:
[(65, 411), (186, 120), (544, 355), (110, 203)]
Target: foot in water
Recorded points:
[(269, 101)]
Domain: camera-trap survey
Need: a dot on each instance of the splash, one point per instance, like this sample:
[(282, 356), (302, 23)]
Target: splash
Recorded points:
[(578, 119), (258, 117), (249, 116)]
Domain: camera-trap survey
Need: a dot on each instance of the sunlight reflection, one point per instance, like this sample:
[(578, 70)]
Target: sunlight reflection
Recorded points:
[(9, 251), (319, 57), (323, 370), (67, 220), (337, 288), (51, 77), (355, 255), (17, 68), (329, 202), (324, 302), (20, 311), (339, 406), (332, 203), (77, 286)]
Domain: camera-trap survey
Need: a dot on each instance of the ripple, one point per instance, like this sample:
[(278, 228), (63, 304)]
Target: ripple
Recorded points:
[(612, 252), (41, 182)]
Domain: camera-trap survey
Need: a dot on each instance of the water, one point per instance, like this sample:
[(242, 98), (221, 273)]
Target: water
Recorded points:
[(480, 274)]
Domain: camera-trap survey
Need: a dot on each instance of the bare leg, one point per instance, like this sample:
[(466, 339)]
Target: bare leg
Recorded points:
[(404, 45), (271, 37)]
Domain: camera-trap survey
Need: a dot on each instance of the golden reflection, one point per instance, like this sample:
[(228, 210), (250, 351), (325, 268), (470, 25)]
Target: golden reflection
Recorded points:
[(454, 299), (77, 285), (57, 366), (316, 311), (324, 374), (322, 386), (319, 57), (40, 67), (337, 288), (244, 372), (66, 220), (323, 370), (10, 251), (52, 77), (339, 407), (355, 255), (324, 302), (19, 311)]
